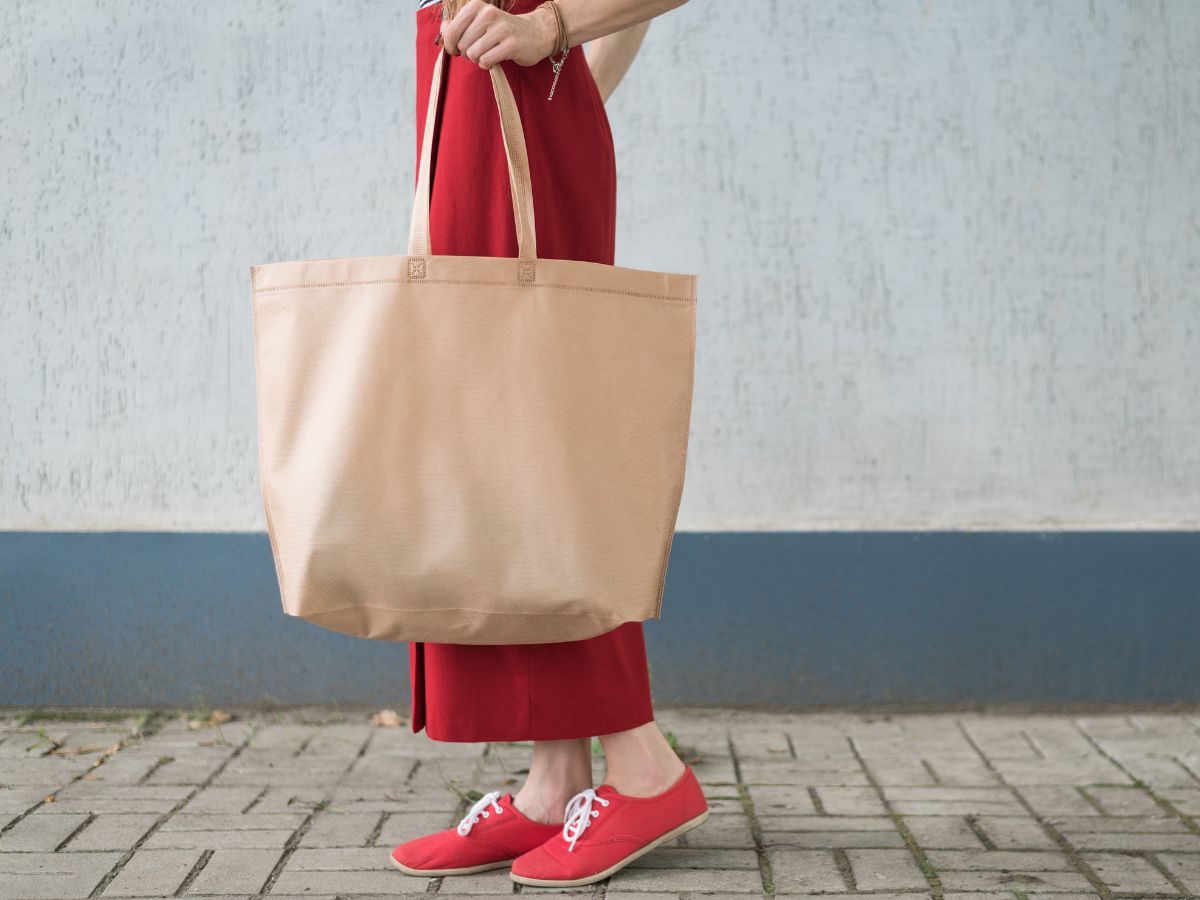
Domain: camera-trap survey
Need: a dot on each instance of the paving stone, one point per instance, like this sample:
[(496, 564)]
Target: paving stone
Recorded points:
[(118, 831), (287, 799), (400, 827), (1130, 874), (91, 797), (1058, 738), (1082, 770), (48, 772), (722, 831), (345, 872), (677, 880), (15, 800), (153, 873), (1000, 860), (52, 876), (832, 840), (885, 870), (194, 770), (1185, 867), (1124, 801), (1124, 825), (769, 744), (689, 858), (123, 768), (947, 832), (826, 823), (850, 801), (1002, 737), (1027, 882), (714, 770), (786, 772), (1106, 726), (898, 770), (1136, 842), (185, 821), (40, 831), (332, 829), (947, 801), (496, 881), (1057, 800), (806, 871), (229, 800), (1160, 773), (244, 839), (235, 871), (1014, 832), (960, 771), (783, 800), (1184, 799)]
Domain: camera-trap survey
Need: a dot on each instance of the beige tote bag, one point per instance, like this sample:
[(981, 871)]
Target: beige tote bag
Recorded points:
[(472, 449)]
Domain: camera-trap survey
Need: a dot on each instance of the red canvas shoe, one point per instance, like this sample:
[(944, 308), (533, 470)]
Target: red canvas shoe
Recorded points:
[(490, 836), (606, 831)]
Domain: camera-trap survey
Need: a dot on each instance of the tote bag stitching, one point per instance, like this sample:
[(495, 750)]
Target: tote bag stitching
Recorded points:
[(415, 281), (275, 546), (662, 578)]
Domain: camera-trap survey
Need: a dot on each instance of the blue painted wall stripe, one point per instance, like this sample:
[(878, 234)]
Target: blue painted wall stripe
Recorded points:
[(785, 620)]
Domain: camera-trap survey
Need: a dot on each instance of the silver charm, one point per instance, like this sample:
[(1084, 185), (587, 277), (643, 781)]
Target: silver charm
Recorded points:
[(557, 66)]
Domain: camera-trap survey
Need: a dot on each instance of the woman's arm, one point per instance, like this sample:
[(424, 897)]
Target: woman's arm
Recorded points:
[(486, 34), (610, 56)]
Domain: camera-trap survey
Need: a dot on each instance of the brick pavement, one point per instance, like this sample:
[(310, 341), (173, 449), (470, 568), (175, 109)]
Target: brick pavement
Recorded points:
[(903, 807)]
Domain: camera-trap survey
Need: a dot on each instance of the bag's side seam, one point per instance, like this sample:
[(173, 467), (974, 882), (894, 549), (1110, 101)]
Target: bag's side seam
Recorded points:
[(276, 551), (662, 578)]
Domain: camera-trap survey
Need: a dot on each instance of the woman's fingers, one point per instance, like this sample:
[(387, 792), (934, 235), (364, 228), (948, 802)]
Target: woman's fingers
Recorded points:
[(489, 49), (468, 26), (485, 34), (504, 48)]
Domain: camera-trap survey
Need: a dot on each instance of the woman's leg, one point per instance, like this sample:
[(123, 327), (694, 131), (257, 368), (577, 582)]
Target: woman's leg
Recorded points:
[(640, 761), (559, 770)]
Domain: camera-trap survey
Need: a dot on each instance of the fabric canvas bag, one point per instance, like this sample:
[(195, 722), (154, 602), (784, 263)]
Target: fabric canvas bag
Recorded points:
[(466, 449)]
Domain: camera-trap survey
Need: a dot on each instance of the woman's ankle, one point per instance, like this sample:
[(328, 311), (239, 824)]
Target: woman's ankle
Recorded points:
[(557, 772), (545, 803), (640, 762)]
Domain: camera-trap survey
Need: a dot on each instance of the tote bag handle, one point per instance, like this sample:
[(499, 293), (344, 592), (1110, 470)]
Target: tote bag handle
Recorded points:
[(514, 151)]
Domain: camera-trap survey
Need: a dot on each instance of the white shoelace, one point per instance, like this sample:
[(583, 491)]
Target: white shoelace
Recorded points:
[(479, 810), (579, 815)]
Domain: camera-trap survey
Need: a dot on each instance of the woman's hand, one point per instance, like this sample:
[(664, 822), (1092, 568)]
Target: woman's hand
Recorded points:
[(486, 34)]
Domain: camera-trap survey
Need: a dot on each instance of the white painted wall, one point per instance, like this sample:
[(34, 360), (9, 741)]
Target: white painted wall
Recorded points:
[(949, 253)]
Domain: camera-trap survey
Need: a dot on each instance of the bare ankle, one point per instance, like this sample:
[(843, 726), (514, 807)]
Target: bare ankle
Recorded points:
[(641, 763), (544, 803), (646, 780)]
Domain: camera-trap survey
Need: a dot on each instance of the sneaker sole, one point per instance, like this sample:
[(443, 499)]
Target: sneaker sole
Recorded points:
[(600, 876), (435, 873)]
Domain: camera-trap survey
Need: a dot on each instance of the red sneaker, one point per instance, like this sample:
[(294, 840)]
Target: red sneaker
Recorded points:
[(606, 831), (491, 835)]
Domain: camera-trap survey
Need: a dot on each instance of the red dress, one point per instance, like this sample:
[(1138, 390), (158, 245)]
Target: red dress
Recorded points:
[(519, 692)]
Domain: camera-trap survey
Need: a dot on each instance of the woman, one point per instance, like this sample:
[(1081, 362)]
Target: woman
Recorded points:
[(556, 830)]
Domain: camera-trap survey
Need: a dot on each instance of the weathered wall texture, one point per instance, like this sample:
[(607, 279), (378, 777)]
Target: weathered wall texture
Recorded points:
[(949, 253)]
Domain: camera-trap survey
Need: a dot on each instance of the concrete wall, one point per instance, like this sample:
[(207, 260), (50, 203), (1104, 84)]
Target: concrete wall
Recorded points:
[(948, 252)]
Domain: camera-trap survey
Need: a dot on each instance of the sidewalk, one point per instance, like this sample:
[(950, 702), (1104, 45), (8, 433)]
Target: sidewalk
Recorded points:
[(308, 804)]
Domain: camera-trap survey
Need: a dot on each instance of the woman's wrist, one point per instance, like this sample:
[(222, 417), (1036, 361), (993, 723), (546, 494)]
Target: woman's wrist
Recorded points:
[(546, 24)]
